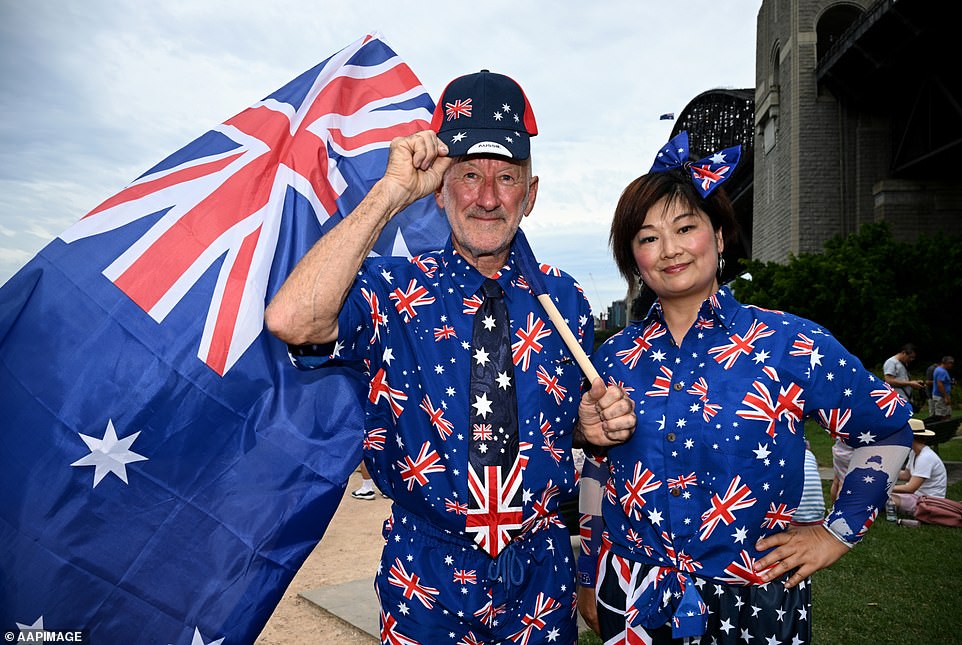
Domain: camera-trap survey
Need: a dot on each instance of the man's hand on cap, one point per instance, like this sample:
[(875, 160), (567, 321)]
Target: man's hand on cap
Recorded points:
[(415, 166)]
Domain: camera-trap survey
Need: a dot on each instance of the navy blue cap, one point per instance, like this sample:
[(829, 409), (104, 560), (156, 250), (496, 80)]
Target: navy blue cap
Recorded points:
[(485, 113)]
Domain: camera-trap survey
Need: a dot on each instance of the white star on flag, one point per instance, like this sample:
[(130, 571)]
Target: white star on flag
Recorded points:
[(37, 626), (109, 455), (762, 452), (482, 405), (199, 640), (481, 356)]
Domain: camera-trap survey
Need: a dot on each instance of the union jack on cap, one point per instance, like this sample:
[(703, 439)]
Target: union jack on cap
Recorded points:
[(485, 113)]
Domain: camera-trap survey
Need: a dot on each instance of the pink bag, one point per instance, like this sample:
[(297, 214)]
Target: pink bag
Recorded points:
[(938, 510)]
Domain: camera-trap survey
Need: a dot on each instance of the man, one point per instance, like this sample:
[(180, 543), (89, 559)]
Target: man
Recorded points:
[(472, 408), (896, 373), (942, 390), (924, 473)]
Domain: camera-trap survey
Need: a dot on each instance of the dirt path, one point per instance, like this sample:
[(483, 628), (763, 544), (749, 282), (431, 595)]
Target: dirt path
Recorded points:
[(350, 550)]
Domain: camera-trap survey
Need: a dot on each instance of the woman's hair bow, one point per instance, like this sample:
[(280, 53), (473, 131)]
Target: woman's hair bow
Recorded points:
[(708, 173)]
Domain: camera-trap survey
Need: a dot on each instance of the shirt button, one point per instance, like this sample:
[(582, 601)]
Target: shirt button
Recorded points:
[(678, 386), (670, 436), (676, 492)]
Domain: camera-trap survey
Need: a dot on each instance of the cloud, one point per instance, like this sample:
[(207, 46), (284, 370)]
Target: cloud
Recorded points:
[(95, 93)]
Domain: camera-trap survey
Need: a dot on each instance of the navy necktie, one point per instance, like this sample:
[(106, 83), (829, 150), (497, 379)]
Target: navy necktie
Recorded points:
[(494, 482)]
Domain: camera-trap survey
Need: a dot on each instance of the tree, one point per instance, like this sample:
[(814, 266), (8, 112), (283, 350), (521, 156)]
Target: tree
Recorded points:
[(873, 293)]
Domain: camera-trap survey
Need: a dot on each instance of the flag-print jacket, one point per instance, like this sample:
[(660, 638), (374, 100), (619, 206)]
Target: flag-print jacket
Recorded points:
[(716, 461), (411, 321)]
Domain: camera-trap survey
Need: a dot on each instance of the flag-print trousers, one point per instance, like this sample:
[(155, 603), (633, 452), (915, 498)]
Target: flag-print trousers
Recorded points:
[(435, 587), (735, 613)]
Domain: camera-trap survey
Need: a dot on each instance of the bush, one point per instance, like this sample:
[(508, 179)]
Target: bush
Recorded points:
[(873, 293)]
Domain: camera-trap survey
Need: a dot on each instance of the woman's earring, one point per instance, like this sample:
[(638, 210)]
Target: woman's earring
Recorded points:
[(721, 265)]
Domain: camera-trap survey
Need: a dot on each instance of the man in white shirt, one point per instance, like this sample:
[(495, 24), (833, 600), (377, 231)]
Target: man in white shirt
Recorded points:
[(896, 372), (924, 472)]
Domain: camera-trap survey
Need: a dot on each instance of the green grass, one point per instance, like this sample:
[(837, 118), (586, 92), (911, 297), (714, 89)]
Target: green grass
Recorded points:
[(899, 585)]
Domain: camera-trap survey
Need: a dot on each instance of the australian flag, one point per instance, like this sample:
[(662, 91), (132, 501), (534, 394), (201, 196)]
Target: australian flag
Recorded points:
[(164, 471)]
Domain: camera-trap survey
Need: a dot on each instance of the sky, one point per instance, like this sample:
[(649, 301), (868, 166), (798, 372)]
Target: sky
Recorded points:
[(94, 93)]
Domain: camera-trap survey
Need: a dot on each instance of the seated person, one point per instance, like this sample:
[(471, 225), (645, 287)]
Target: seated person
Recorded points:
[(924, 472), (811, 508)]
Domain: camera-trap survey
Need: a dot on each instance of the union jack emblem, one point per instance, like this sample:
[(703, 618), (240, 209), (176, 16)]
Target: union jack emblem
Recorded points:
[(494, 514), (547, 269), (888, 400), (530, 341), (414, 296), (489, 612), (426, 263), (727, 354), (541, 508), (416, 470), (555, 452), (662, 384), (471, 305), (380, 389), (216, 206), (777, 517), (436, 418), (636, 487), (709, 176), (464, 577), (834, 420), (704, 323), (470, 639), (411, 584), (389, 633), (723, 509), (374, 439), (687, 563), (683, 481), (742, 571), (482, 432), (551, 385), (641, 344), (457, 109), (709, 410), (802, 346), (543, 605), (443, 333), (762, 407), (452, 506), (377, 317), (627, 389)]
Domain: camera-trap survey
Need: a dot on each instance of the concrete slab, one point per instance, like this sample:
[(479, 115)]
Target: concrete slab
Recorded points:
[(353, 602)]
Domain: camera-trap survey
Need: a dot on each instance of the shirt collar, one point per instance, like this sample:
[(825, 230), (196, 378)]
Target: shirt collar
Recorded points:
[(469, 279), (721, 306)]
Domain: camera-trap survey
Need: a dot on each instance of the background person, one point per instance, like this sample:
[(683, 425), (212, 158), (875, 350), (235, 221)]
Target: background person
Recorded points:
[(476, 465), (896, 373), (699, 501), (924, 472), (941, 405)]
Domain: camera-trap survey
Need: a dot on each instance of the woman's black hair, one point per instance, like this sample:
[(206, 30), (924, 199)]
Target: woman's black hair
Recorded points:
[(644, 192)]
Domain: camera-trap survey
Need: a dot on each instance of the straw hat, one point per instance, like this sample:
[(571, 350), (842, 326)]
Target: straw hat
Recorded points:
[(919, 429)]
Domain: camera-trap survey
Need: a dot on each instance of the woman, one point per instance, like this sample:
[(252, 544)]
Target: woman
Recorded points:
[(698, 503)]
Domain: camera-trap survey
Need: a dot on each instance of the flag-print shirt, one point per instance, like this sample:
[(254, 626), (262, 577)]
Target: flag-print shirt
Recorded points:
[(411, 321), (717, 459)]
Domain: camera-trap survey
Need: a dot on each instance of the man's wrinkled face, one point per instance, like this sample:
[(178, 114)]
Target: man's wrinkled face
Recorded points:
[(485, 198)]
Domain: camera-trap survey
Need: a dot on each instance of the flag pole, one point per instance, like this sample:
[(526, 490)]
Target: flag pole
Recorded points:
[(529, 267)]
